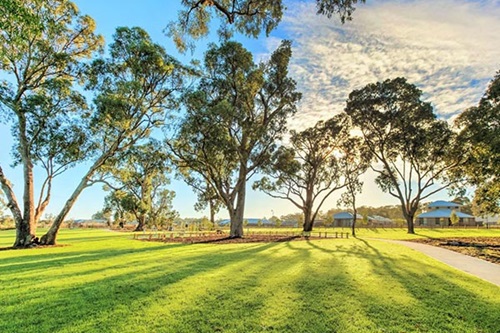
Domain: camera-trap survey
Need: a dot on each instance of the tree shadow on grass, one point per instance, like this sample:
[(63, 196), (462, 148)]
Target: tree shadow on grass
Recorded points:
[(442, 299), (91, 304), (283, 287), (39, 261)]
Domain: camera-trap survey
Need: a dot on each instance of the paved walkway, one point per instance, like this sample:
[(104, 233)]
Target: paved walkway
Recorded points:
[(480, 268)]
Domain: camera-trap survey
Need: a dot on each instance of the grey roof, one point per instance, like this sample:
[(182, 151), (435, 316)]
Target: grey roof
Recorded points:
[(442, 213), (379, 218), (346, 216), (442, 203), (251, 221)]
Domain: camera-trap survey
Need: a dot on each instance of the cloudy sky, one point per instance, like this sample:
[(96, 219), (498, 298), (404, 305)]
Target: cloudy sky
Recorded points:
[(449, 48)]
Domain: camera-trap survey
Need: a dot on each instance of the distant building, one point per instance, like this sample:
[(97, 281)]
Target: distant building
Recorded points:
[(90, 221), (290, 223), (439, 214), (344, 219), (377, 220), (251, 222), (488, 220)]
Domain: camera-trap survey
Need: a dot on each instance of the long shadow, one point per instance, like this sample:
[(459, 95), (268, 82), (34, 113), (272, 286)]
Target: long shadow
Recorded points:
[(431, 287), (282, 287), (37, 261), (419, 293), (72, 302)]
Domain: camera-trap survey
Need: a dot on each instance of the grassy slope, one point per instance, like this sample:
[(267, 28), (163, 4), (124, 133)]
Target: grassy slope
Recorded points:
[(105, 282)]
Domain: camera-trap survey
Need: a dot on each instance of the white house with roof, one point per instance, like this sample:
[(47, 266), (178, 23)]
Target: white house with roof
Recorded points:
[(488, 220), (344, 219), (379, 220), (250, 222), (439, 214)]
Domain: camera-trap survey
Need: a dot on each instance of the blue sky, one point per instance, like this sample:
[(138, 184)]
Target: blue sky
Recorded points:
[(449, 48)]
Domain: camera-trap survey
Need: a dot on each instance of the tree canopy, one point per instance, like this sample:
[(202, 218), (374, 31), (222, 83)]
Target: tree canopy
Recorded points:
[(480, 139), (139, 184), (135, 88), (248, 17), (312, 167), (414, 152)]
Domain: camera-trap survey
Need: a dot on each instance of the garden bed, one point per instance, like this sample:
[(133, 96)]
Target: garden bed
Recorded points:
[(486, 248)]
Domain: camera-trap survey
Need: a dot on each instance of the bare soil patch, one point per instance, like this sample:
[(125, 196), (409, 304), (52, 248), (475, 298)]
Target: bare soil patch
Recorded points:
[(486, 248)]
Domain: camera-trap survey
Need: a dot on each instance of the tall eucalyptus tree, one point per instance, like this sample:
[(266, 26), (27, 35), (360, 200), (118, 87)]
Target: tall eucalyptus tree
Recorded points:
[(43, 44), (234, 117)]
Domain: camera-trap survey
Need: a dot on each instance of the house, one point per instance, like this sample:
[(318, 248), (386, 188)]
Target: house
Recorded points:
[(488, 220), (253, 222), (377, 220), (344, 219), (439, 214)]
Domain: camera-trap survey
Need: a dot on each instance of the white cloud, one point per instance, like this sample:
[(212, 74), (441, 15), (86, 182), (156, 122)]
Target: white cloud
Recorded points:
[(449, 48)]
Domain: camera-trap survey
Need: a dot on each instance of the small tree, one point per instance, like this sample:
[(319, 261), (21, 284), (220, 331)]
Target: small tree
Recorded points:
[(357, 164), (454, 219), (312, 168), (139, 178)]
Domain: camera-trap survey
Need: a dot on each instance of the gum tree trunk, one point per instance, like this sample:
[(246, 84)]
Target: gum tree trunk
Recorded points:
[(237, 214), (354, 218), (410, 223), (141, 222), (50, 237), (308, 221)]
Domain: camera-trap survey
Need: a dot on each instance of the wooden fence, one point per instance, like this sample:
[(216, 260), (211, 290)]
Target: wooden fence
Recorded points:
[(212, 235)]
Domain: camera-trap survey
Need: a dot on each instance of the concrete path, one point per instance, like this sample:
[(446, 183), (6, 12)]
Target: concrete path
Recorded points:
[(480, 268)]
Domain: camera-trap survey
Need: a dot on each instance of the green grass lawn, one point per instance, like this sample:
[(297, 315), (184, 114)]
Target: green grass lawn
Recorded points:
[(104, 281)]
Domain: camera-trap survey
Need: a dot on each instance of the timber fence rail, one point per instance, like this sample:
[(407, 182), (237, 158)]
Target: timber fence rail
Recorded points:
[(188, 236)]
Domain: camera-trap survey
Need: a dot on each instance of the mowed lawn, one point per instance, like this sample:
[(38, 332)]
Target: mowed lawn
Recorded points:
[(104, 281)]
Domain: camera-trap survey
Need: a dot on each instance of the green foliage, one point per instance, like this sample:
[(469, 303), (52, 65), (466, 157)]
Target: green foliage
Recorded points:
[(135, 90), (480, 140), (415, 149), (276, 220), (319, 161), (233, 118), (43, 46), (248, 17), (454, 219), (466, 204), (138, 181), (315, 286)]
